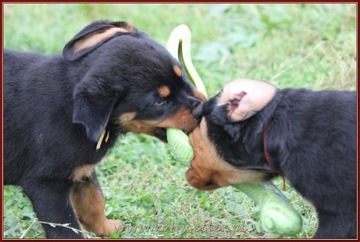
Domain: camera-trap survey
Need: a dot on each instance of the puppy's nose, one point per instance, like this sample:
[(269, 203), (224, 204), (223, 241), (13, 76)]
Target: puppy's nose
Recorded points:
[(195, 103), (192, 102), (198, 111)]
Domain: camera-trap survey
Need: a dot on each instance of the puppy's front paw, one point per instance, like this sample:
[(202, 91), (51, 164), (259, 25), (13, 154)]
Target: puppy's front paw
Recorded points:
[(107, 226), (112, 226)]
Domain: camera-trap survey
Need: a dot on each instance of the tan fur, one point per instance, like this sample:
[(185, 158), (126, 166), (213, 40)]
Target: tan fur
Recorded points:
[(164, 91), (200, 95), (208, 171), (257, 95), (98, 37), (126, 117), (182, 119), (177, 70), (81, 172), (88, 203)]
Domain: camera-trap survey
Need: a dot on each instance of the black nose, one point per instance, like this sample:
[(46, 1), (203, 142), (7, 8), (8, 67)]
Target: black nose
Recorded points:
[(195, 103), (198, 112), (191, 102), (209, 106), (205, 108)]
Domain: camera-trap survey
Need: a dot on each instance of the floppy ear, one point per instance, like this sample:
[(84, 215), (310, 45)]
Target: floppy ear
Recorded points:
[(92, 108), (93, 36), (245, 97)]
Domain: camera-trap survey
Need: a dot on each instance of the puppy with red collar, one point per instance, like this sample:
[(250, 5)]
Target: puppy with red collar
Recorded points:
[(252, 129)]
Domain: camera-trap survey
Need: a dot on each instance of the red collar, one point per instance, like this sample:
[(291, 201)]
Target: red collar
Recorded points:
[(267, 156)]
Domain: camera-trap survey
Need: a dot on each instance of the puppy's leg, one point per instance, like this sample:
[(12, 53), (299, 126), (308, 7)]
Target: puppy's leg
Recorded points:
[(51, 204), (88, 202)]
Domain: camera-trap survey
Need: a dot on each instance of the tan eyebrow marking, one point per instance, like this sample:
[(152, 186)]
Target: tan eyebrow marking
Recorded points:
[(164, 91), (177, 70)]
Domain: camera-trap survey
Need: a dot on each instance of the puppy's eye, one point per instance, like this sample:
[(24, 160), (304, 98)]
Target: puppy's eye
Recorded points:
[(161, 101)]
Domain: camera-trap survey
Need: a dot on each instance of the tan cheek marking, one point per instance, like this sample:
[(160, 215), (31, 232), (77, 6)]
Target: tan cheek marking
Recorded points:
[(81, 172), (139, 126), (182, 119), (208, 171), (177, 70), (164, 91), (126, 117)]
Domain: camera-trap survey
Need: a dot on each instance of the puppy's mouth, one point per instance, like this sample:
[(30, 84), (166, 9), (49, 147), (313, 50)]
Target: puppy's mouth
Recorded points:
[(186, 121), (160, 133)]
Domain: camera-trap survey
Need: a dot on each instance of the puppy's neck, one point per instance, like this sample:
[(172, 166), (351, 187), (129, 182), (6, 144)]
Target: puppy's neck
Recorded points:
[(269, 109)]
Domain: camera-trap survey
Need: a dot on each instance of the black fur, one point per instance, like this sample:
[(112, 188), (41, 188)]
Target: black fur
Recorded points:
[(311, 139), (57, 106)]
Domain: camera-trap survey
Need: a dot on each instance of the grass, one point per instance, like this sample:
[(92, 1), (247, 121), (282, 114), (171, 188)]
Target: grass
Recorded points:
[(291, 45)]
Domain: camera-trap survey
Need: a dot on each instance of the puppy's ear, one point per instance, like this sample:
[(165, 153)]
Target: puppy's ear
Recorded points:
[(245, 97), (93, 36), (92, 108)]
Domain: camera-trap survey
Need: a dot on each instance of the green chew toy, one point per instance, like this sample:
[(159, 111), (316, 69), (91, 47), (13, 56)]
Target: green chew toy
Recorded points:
[(276, 213), (179, 145), (179, 46)]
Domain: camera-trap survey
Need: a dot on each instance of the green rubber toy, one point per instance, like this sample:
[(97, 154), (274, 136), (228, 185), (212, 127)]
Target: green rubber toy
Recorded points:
[(179, 46), (276, 213), (179, 145)]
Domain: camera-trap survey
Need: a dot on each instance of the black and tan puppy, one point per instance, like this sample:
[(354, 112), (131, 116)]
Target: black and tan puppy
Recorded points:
[(63, 113), (252, 129)]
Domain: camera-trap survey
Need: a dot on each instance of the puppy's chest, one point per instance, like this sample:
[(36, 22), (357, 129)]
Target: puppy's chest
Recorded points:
[(99, 149), (91, 158)]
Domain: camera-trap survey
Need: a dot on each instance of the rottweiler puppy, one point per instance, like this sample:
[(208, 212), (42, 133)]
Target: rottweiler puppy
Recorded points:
[(252, 130), (64, 112)]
